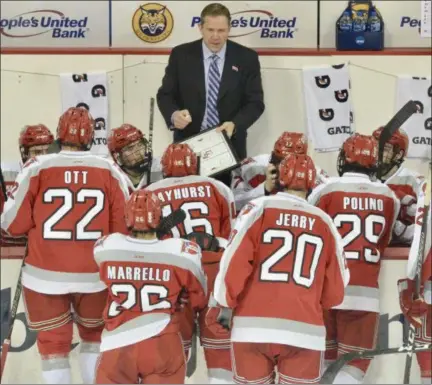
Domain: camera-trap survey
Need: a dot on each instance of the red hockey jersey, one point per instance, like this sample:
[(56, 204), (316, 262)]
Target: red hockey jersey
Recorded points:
[(413, 255), (145, 279), (364, 213), (208, 204), (65, 202), (283, 265), (248, 180)]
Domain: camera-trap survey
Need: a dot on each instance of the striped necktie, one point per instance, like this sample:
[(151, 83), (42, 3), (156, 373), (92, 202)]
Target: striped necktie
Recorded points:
[(213, 91)]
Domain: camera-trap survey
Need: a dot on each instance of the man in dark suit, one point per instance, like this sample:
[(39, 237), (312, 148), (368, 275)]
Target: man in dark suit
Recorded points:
[(212, 82)]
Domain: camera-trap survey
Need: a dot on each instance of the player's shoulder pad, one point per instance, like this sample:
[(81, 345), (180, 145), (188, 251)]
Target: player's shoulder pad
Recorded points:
[(34, 165), (108, 242), (321, 190), (251, 210), (184, 248)]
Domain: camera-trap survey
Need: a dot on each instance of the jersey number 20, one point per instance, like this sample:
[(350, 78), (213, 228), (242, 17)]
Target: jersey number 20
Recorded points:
[(297, 246)]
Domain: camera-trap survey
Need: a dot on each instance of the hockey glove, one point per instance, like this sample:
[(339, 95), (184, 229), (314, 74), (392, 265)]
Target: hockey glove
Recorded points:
[(218, 320), (413, 309), (205, 241), (182, 300)]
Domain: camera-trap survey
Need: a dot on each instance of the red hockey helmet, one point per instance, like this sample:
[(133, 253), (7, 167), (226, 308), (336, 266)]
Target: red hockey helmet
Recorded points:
[(34, 135), (297, 172), (76, 128), (289, 143), (124, 136), (179, 160), (359, 151), (143, 211), (399, 140)]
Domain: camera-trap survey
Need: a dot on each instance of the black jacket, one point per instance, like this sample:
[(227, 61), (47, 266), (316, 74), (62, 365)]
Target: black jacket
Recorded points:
[(240, 97)]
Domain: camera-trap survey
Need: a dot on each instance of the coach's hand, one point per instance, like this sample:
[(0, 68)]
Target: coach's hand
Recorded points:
[(181, 119), (228, 127)]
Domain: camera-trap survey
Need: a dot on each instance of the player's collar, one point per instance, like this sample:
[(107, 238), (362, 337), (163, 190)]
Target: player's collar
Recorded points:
[(142, 241), (291, 196), (355, 175)]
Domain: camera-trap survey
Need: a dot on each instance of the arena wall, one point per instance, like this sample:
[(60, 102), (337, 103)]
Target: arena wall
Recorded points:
[(30, 93), (23, 365)]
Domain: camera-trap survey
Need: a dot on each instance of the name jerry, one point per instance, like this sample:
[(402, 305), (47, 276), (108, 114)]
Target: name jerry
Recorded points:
[(185, 193), (357, 203), (294, 220), (138, 273)]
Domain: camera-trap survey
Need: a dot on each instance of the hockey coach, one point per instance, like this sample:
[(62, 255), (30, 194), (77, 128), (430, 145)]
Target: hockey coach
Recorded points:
[(212, 82)]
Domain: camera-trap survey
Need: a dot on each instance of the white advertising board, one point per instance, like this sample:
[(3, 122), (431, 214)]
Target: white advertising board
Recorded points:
[(402, 21), (272, 24), (54, 24), (23, 364)]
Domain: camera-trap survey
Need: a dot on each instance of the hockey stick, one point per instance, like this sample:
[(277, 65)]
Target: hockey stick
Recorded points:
[(418, 272), (205, 241), (409, 109), (7, 341), (192, 361), (150, 140), (3, 185), (334, 368), (170, 221), (15, 303)]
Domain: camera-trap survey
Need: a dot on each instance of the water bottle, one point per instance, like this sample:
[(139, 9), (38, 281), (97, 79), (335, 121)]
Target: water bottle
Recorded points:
[(374, 22), (345, 23)]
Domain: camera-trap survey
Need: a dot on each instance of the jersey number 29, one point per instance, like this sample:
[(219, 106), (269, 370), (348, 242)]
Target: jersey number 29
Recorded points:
[(361, 228)]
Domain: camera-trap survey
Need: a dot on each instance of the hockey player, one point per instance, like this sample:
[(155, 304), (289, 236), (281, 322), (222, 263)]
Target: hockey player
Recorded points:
[(33, 140), (284, 263), (364, 213), (209, 207), (64, 202), (404, 182), (145, 278), (419, 311), (257, 176), (129, 149)]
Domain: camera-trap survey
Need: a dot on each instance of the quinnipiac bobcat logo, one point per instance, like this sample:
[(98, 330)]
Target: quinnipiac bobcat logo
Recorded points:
[(152, 22)]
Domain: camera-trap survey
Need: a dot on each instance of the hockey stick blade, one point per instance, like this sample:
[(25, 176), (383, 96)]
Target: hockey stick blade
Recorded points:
[(170, 221), (409, 109), (334, 368)]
